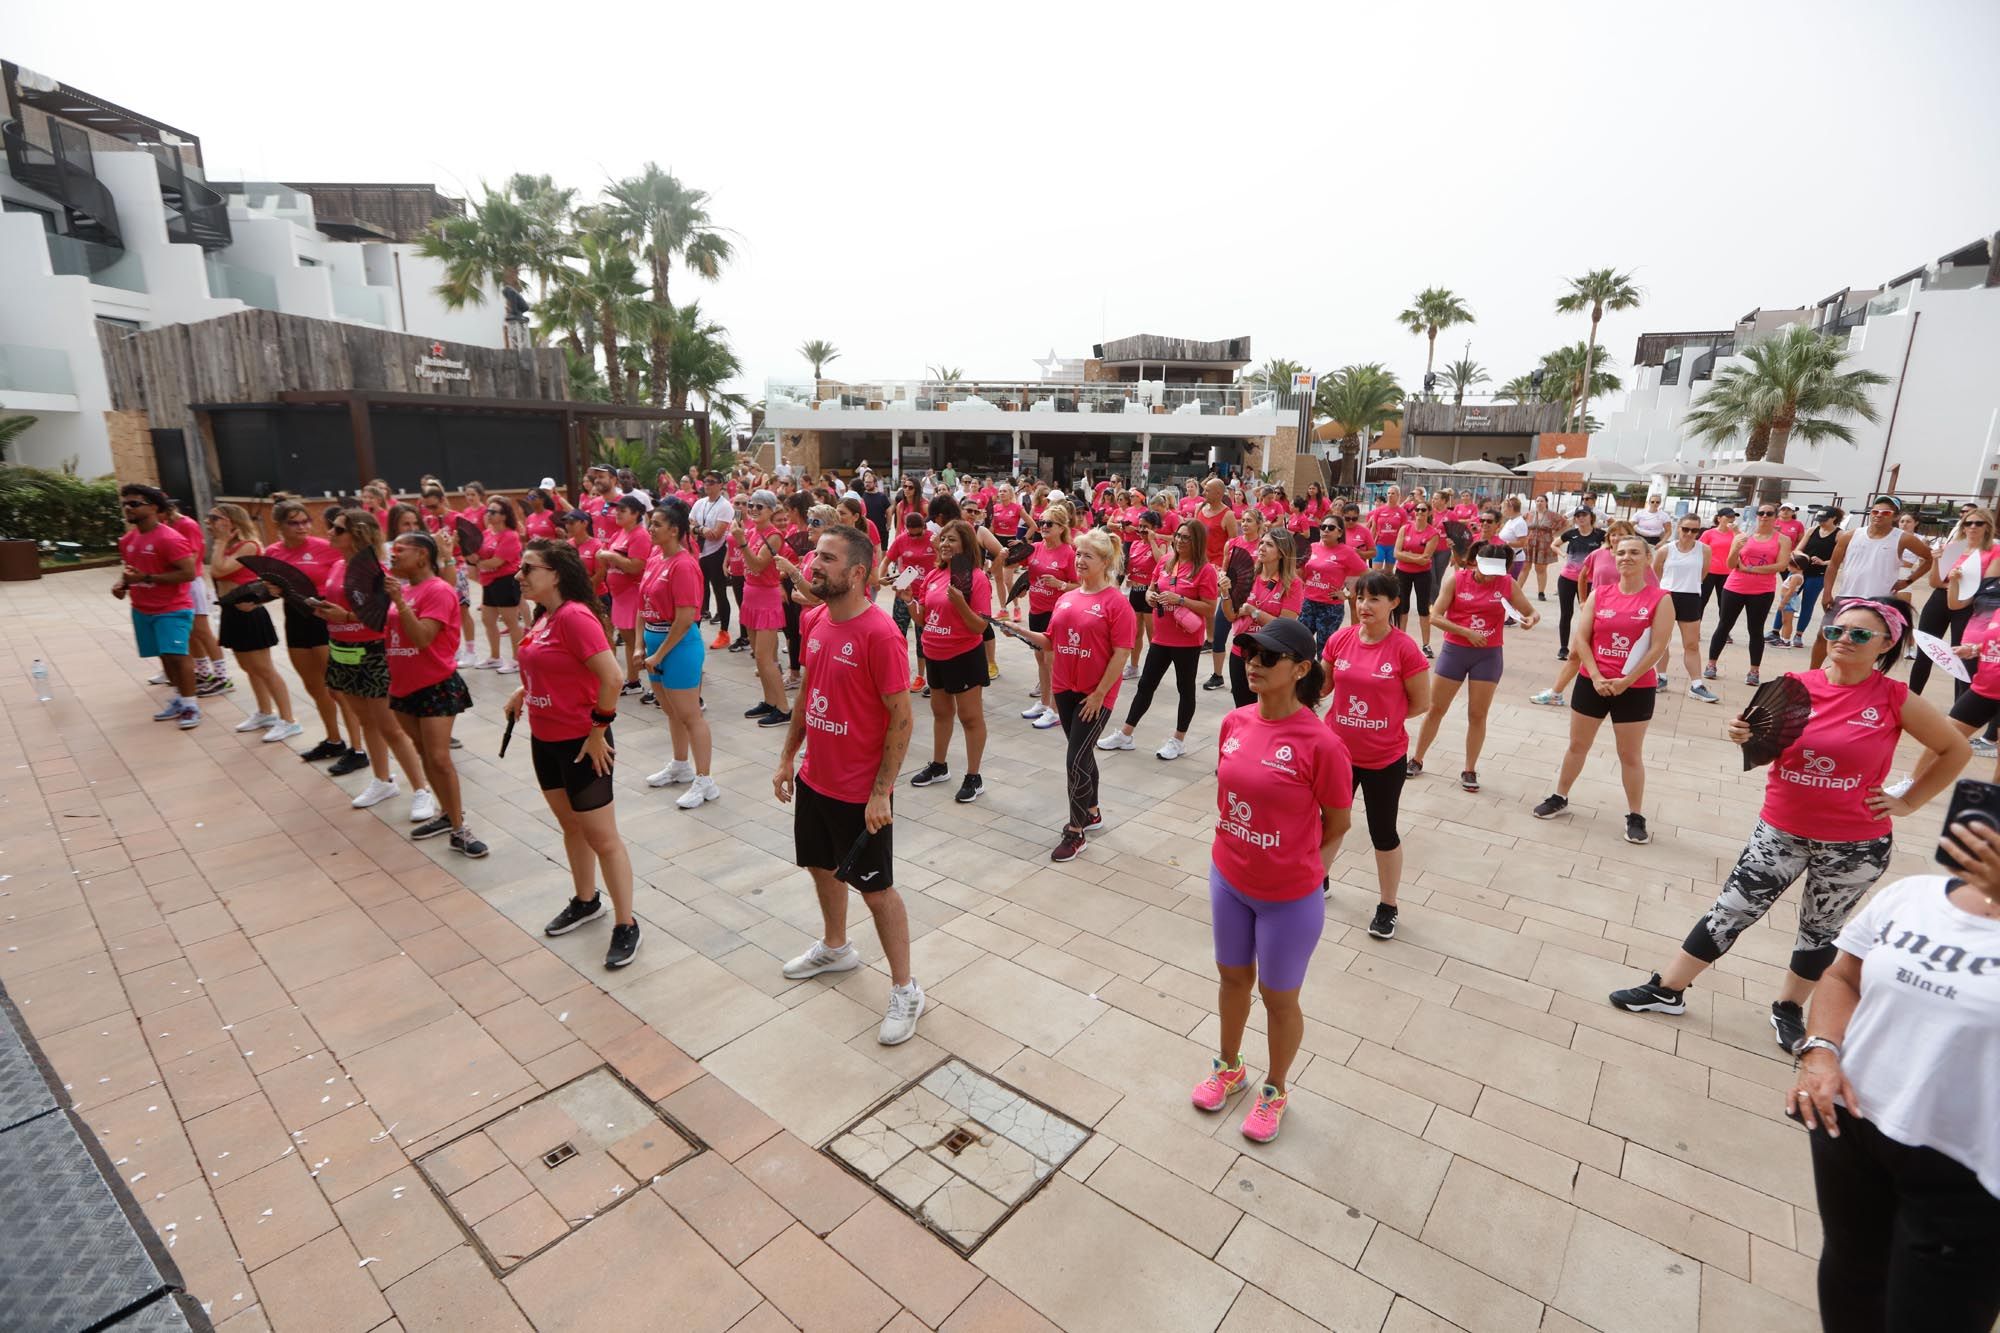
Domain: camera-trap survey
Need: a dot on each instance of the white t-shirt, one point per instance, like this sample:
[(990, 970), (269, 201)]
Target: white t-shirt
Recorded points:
[(1514, 530), (1923, 1047), (1651, 524), (707, 512)]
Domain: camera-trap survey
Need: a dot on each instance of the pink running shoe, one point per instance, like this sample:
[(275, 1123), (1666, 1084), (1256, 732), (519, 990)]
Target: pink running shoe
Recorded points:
[(1261, 1125), (1214, 1092)]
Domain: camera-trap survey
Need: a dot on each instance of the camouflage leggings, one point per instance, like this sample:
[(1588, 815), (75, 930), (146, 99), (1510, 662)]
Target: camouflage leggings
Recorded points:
[(1837, 875)]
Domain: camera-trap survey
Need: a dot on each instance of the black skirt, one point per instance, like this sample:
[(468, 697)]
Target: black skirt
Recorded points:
[(246, 629)]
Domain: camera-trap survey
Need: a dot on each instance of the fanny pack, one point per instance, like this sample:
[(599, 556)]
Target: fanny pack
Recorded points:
[(348, 654)]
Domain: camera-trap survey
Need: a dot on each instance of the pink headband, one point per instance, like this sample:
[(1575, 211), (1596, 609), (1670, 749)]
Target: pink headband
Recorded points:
[(1892, 616)]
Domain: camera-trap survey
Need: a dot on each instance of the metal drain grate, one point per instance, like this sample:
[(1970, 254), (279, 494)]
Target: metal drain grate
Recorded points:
[(559, 1154), (959, 1140)]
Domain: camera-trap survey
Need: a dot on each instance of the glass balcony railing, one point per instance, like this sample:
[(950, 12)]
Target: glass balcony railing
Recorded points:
[(105, 265), (35, 370), (246, 285), (363, 303), (1036, 398)]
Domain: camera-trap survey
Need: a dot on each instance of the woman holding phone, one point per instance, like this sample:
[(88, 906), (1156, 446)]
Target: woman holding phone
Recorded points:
[(1051, 573), (623, 558), (1183, 597), (425, 690), (951, 605), (246, 629), (1471, 610), (1276, 592), (358, 672)]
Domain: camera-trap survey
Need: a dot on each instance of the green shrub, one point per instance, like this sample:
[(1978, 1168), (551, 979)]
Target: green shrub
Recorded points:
[(46, 506)]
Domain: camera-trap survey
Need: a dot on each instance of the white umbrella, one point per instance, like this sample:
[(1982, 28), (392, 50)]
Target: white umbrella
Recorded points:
[(1763, 468), (1671, 468), (1413, 463), (1484, 468), (1584, 465)]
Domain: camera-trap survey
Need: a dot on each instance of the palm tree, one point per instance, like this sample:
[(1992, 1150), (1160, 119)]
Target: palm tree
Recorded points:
[(672, 222), (1274, 374), (1520, 389), (1562, 378), (12, 429), (1597, 291), (1790, 385), (1462, 375), (565, 309), (944, 374), (1362, 398), (700, 361), (610, 283), (585, 384), (1434, 310), (819, 352), (502, 237)]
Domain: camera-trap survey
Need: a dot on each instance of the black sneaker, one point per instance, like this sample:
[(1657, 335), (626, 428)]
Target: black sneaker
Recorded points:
[(1773, 639), (326, 749), (1468, 780), (431, 828), (1650, 998), (1413, 768), (624, 945), (775, 718), (1541, 597), (757, 710), (1553, 806), (465, 844), (630, 687), (968, 791), (351, 762), (1562, 654), (1383, 926), (930, 773), (1428, 653), (213, 685), (740, 646), (649, 700), (1789, 1022), (1635, 830), (575, 912), (1214, 682), (457, 744)]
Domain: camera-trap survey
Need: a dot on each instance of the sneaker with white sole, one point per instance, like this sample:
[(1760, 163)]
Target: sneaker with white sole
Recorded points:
[(257, 722), (703, 790), (170, 712), (157, 678), (423, 806), (820, 959), (1049, 718), (1899, 789), (1703, 693), (676, 772), (1547, 697), (377, 791), (282, 730), (576, 912), (1650, 997), (1982, 747), (906, 1005), (1116, 740), (1173, 749), (1033, 711), (190, 719), (509, 668), (486, 664)]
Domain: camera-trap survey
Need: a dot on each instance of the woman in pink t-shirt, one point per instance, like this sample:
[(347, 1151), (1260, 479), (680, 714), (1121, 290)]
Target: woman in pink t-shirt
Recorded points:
[(1756, 558), (1284, 795), (951, 619), (670, 612), (425, 690), (1329, 567), (1276, 592), (305, 633), (246, 627), (1826, 813), (497, 567), (1146, 546), (358, 673), (760, 538), (623, 558), (570, 683), (1184, 597), (1416, 543), (1051, 573), (1471, 610)]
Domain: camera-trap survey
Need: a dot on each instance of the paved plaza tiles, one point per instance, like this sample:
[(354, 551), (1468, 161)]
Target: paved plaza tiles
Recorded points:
[(326, 1060)]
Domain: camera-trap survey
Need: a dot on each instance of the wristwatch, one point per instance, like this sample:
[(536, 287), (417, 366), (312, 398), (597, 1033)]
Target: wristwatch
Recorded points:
[(1819, 1044)]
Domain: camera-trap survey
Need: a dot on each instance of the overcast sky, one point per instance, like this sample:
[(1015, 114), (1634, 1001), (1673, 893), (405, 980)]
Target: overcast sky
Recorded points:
[(978, 184)]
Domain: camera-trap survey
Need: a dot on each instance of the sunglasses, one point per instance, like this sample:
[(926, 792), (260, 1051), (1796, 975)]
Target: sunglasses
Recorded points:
[(527, 568), (1977, 523), (298, 522), (1767, 513), (1270, 657), (1420, 509), (1329, 527), (1692, 532), (136, 504), (337, 532), (1854, 635)]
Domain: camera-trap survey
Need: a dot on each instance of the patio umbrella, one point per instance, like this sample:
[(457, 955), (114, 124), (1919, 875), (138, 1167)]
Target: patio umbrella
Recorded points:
[(1484, 468), (1673, 467), (1764, 468), (1587, 465)]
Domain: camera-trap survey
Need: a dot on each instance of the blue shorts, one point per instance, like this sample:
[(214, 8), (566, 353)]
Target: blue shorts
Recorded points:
[(681, 668), (1382, 552), (164, 634)]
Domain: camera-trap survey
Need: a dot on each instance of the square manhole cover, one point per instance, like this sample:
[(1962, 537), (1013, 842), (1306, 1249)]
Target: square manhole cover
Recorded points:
[(958, 1150), (536, 1174)]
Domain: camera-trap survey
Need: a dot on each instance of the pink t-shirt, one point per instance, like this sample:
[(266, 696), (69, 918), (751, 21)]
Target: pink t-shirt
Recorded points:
[(1272, 780), (314, 557), (1362, 538), (1006, 520), (1476, 603), (504, 546), (944, 633), (1615, 626), (603, 521), (1327, 570), (913, 551), (586, 551), (1413, 538), (1386, 520), (669, 584), (1141, 563), (1602, 567), (539, 524), (1793, 529), (1266, 597), (1718, 543), (192, 534), (765, 538), (412, 668), (156, 552), (1818, 787), (561, 691), (1187, 505), (1366, 704), (1198, 585), (345, 631), (851, 666), (1085, 629), (1755, 551), (636, 543), (1047, 567)]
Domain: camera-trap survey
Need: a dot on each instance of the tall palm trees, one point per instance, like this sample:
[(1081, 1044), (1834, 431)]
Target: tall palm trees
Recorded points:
[(1362, 399), (1462, 375), (670, 221), (1434, 310), (1790, 384), (1275, 374), (1563, 372), (819, 352), (1597, 291)]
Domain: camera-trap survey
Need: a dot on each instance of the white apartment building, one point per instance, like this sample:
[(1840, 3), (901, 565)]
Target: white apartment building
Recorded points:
[(1934, 331), (108, 220)]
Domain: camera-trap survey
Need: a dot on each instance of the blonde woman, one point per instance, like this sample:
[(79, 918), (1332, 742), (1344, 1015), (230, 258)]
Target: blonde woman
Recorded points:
[(247, 630), (1051, 573), (1276, 593)]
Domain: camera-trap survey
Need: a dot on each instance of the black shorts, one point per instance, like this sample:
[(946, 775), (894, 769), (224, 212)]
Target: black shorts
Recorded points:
[(1635, 705), (303, 629), (1038, 621), (246, 629), (956, 675), (1975, 710), (559, 765), (1687, 606), (366, 677), (447, 698), (503, 592), (824, 831), (1136, 597)]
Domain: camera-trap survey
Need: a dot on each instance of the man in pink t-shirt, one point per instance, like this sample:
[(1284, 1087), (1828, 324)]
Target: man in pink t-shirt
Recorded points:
[(159, 568), (853, 719)]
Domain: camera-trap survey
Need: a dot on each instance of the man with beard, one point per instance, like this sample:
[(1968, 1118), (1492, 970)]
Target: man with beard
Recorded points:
[(854, 708)]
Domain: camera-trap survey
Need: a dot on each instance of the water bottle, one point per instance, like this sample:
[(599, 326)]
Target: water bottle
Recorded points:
[(39, 673)]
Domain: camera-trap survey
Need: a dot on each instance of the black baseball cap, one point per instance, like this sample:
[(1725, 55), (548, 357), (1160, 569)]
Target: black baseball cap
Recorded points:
[(1283, 636), (1725, 513)]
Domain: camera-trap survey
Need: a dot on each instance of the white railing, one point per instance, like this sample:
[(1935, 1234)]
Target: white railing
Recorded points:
[(1034, 398)]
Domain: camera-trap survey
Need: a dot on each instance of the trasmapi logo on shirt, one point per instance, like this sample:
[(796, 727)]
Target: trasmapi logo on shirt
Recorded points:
[(1074, 647), (1236, 820), (1818, 771), (816, 718), (1356, 715)]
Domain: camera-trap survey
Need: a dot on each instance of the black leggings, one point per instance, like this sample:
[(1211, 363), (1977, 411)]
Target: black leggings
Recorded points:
[(1935, 619), (1909, 1236), (1711, 586), (1758, 606), (1081, 763), (1382, 792), (715, 585), (1239, 680), (1419, 582), (736, 591), (1566, 598), (793, 613), (1185, 662)]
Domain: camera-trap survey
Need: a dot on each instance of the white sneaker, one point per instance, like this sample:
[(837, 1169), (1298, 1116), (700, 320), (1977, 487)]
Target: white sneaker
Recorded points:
[(1898, 789), (820, 959), (677, 771), (486, 664), (190, 719), (1129, 673), (704, 789), (423, 806), (507, 668), (157, 678), (906, 1003), (377, 791), (1034, 710), (1982, 746), (1173, 749), (257, 722), (465, 657), (1115, 740), (1049, 718), (282, 730)]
